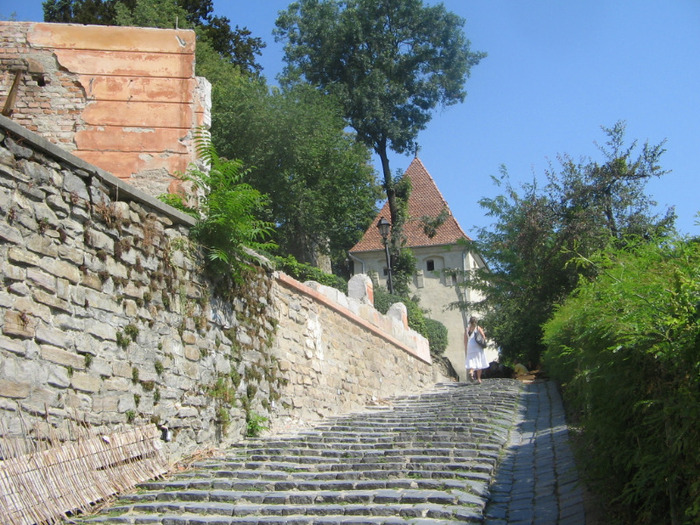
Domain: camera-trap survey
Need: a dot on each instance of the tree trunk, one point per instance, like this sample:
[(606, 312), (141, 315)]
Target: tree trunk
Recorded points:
[(388, 182)]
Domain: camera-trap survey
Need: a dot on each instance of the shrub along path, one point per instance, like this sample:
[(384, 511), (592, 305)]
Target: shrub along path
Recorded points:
[(424, 459)]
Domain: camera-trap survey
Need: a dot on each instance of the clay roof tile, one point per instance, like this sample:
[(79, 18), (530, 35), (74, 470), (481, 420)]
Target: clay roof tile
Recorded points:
[(425, 200)]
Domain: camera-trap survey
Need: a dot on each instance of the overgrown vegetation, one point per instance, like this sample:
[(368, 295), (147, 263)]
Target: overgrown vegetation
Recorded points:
[(320, 180), (540, 231), (255, 424), (305, 272), (227, 210), (626, 346)]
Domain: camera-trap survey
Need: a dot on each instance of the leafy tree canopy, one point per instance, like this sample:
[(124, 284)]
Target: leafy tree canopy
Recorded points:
[(541, 231), (319, 178), (389, 62), (236, 46)]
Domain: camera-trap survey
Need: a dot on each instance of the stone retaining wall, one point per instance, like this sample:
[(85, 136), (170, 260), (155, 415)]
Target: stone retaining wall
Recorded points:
[(106, 317)]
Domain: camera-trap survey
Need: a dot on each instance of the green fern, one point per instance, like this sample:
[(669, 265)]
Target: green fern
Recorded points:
[(227, 225)]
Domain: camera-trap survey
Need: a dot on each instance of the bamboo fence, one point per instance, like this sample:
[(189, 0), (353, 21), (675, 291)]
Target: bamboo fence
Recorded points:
[(42, 480)]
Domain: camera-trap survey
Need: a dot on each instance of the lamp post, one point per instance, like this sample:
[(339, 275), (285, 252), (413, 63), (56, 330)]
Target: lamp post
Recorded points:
[(384, 227)]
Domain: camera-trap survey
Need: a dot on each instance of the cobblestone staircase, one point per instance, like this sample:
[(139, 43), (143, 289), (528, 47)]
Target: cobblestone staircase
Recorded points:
[(422, 459)]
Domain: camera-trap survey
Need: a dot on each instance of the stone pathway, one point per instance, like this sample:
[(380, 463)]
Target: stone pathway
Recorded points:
[(537, 482), (419, 460)]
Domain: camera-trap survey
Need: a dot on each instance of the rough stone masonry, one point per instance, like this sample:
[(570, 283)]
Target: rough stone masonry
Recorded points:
[(107, 318)]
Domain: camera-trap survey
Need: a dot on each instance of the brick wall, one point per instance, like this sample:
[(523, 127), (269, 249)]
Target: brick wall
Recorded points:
[(122, 98)]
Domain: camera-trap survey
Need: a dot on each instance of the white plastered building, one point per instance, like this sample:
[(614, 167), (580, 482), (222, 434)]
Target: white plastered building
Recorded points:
[(433, 282)]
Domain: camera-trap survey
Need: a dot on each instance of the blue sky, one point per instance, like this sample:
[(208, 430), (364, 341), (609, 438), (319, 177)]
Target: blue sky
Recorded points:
[(556, 71)]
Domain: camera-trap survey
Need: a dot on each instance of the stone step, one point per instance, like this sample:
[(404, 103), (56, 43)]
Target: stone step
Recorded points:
[(459, 515), (336, 492), (431, 506), (410, 449), (267, 484), (416, 463), (421, 460), (304, 456)]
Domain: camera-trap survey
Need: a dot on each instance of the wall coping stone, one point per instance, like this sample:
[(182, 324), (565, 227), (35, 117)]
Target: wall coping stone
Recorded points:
[(121, 188)]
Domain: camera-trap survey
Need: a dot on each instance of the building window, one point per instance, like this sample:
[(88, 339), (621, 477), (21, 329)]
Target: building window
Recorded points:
[(430, 265)]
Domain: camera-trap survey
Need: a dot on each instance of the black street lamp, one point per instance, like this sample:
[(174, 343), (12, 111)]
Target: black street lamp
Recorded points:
[(384, 228)]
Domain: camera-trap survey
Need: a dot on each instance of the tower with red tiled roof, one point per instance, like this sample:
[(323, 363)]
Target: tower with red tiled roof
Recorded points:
[(435, 251)]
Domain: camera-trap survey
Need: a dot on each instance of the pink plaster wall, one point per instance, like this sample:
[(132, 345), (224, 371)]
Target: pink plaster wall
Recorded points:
[(123, 98)]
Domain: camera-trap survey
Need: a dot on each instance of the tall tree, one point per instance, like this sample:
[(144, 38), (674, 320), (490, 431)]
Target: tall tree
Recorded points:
[(96, 12), (539, 232), (236, 46), (390, 62), (319, 178)]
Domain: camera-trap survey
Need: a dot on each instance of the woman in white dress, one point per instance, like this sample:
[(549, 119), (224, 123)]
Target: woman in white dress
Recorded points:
[(476, 358)]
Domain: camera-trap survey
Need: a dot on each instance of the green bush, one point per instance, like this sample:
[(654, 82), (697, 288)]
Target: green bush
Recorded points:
[(626, 347), (436, 332), (255, 424), (383, 301), (305, 272)]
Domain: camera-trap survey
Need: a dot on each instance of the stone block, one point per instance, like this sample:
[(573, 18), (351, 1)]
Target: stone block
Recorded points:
[(118, 384), (121, 369), (62, 357), (130, 308), (22, 257), (100, 366), (398, 311), (12, 345), (69, 253), (42, 245), (14, 389), (189, 338), (360, 288), (33, 309), (100, 240), (69, 321), (53, 336), (116, 269), (91, 280), (51, 301), (86, 382), (18, 324), (59, 206), (63, 269), (19, 288), (10, 234), (58, 377), (126, 402), (105, 403), (75, 186), (14, 273), (45, 215), (192, 353), (42, 279), (102, 301), (39, 399)]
